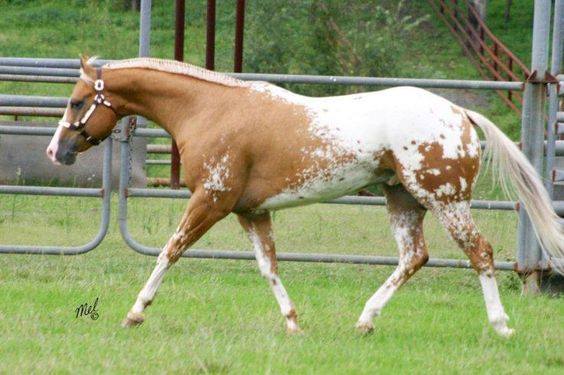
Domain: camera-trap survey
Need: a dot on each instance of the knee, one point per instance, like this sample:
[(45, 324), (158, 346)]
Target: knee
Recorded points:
[(419, 260), (174, 248), (422, 259)]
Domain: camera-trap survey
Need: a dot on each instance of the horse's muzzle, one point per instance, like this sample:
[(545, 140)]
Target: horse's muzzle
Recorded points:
[(62, 153), (67, 158)]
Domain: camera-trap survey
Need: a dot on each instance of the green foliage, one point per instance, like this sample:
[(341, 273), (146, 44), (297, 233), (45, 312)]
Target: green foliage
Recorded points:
[(328, 38)]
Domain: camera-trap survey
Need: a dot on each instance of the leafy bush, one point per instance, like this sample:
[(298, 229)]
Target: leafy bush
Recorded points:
[(328, 38)]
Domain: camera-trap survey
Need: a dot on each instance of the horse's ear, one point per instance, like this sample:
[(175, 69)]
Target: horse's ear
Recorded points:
[(85, 66)]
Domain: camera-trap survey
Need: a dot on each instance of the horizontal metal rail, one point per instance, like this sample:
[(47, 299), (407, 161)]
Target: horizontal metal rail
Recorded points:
[(310, 79), (350, 199), (158, 149), (32, 111), (52, 191), (27, 130), (33, 101), (157, 162), (314, 257), (38, 78), (381, 81), (47, 62), (59, 68), (50, 130), (55, 72)]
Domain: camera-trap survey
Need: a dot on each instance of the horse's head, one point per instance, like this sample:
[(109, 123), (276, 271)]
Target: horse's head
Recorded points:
[(89, 118)]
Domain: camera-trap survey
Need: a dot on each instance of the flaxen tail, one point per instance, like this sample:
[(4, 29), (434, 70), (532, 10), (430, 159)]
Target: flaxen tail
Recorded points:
[(513, 170)]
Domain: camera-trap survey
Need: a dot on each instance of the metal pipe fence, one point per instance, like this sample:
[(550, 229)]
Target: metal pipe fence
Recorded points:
[(104, 193), (66, 71), (38, 72), (553, 115)]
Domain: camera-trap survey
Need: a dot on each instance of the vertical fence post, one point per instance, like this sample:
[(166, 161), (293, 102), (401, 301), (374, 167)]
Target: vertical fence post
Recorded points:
[(239, 33), (210, 36), (532, 138), (555, 67), (510, 66), (145, 28), (179, 56), (144, 40)]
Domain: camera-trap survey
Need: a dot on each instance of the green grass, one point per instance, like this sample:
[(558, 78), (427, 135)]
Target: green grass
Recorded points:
[(220, 317)]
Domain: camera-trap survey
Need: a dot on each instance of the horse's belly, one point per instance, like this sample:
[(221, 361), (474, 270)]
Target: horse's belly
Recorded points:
[(340, 182)]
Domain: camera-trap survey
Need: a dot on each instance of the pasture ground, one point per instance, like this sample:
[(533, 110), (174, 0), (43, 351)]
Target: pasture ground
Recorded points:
[(220, 317)]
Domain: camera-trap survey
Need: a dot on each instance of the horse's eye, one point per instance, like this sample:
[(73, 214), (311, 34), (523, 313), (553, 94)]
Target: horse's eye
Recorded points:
[(77, 104)]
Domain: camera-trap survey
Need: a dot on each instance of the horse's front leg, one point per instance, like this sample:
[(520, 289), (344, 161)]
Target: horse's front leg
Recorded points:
[(202, 213), (259, 230)]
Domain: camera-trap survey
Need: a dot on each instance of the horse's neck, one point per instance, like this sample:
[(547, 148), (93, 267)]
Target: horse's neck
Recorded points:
[(169, 100)]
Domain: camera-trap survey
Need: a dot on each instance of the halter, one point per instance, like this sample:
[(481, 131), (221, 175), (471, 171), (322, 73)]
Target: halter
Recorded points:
[(99, 99)]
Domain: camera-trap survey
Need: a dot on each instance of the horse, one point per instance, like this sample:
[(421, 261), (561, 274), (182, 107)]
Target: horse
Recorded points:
[(249, 148)]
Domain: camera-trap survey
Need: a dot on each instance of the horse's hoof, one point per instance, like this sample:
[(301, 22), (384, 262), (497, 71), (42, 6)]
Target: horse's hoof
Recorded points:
[(505, 332), (132, 320), (292, 327), (294, 330), (365, 327), (500, 327)]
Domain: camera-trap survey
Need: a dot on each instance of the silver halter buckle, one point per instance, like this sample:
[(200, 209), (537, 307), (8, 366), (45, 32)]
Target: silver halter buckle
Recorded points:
[(98, 85)]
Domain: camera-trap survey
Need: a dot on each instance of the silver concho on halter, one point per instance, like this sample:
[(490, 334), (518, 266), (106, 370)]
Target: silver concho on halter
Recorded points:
[(98, 85)]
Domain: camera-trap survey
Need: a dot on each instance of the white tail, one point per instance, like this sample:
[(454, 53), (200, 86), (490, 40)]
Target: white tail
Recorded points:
[(509, 164)]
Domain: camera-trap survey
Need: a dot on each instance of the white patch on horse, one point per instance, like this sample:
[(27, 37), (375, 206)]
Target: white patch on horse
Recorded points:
[(265, 267), (463, 184), (274, 91), (402, 228), (218, 173), (496, 314), (445, 190), (53, 146)]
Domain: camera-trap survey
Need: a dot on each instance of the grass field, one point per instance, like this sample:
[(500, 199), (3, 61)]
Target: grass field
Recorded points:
[(220, 317)]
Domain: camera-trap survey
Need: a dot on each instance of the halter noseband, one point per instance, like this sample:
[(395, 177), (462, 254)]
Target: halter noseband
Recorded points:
[(99, 99)]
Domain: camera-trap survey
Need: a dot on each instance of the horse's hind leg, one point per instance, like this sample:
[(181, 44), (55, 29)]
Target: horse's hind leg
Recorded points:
[(259, 230), (406, 218), (456, 217)]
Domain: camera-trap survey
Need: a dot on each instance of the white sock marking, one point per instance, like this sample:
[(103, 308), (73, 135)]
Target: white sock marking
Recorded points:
[(496, 314), (150, 289), (265, 267)]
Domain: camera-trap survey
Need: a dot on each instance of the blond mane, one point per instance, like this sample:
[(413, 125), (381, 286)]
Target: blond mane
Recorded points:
[(176, 67)]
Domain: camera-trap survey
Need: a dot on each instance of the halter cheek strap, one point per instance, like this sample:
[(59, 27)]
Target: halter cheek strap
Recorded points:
[(99, 99)]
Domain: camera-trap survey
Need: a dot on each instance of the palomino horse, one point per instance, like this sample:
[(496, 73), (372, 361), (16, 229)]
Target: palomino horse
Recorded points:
[(252, 147)]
